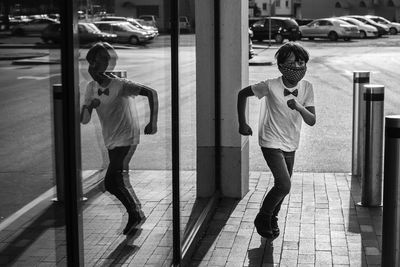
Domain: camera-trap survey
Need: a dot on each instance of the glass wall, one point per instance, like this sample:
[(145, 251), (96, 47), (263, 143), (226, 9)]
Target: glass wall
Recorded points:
[(121, 69), (32, 227), (129, 223), (189, 204)]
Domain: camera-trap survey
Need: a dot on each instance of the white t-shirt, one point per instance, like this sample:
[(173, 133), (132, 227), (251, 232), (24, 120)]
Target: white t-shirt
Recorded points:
[(117, 112), (279, 126)]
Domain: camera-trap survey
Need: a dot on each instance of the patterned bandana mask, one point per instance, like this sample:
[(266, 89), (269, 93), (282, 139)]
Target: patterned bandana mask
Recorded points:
[(292, 74)]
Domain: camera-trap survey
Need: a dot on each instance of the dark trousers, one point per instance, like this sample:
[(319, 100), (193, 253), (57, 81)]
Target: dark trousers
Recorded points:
[(281, 165), (114, 182)]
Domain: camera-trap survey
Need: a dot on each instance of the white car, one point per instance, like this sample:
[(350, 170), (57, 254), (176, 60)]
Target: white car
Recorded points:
[(125, 31), (135, 22), (382, 29), (365, 30), (330, 28), (394, 27)]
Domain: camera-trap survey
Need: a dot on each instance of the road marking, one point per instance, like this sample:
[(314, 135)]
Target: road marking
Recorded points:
[(38, 78)]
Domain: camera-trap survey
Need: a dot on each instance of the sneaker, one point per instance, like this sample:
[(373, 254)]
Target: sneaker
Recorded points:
[(135, 220), (274, 226), (262, 223)]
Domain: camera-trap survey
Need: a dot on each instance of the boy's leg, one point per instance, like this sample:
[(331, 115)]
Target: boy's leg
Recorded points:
[(127, 181), (289, 159), (276, 162), (113, 180)]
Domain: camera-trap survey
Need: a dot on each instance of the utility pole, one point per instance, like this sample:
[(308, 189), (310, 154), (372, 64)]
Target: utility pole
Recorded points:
[(269, 24)]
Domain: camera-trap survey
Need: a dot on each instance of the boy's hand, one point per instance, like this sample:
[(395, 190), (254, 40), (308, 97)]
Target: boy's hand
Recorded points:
[(150, 128), (95, 103), (244, 129), (293, 104)]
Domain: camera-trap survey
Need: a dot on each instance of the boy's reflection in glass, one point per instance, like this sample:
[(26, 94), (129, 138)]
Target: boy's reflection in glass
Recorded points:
[(109, 95)]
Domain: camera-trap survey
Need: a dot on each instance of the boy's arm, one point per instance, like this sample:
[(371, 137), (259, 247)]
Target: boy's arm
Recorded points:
[(152, 96), (243, 94), (307, 113), (86, 111), (133, 89)]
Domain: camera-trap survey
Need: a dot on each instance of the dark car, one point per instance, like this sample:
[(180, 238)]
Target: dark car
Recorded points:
[(281, 28), (87, 33)]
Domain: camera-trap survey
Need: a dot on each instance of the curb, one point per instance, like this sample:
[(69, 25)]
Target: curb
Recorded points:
[(261, 63)]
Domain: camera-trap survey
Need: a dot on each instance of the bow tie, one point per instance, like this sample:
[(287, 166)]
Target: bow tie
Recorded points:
[(286, 92), (106, 92)]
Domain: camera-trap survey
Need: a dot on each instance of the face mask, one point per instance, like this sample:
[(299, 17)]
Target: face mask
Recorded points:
[(291, 73)]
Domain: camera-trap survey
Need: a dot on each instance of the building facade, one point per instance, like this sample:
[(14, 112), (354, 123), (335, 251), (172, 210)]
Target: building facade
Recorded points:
[(390, 9), (273, 7), (159, 8)]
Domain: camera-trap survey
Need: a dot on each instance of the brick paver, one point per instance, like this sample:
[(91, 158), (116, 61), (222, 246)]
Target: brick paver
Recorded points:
[(320, 223)]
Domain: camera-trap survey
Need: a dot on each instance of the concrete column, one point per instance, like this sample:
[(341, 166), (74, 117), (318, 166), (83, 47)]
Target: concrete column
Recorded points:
[(205, 92), (234, 76)]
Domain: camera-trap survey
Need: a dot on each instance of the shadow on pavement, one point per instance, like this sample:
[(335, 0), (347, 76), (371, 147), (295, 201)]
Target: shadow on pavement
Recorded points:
[(222, 214), (261, 255)]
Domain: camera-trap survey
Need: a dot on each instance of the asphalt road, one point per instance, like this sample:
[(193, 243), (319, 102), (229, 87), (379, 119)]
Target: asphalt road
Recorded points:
[(27, 165)]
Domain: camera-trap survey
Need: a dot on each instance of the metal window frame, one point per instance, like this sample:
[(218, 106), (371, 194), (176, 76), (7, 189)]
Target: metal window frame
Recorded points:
[(177, 250), (71, 137)]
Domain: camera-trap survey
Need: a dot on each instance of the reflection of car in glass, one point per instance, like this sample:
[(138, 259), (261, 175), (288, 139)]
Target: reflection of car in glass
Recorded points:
[(281, 28), (135, 22), (394, 27), (33, 27), (150, 20), (87, 33), (382, 29), (125, 31), (365, 29), (330, 28), (251, 50), (184, 24)]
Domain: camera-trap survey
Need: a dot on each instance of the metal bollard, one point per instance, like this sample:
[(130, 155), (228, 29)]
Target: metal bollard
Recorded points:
[(360, 78), (371, 181), (58, 141), (391, 200)]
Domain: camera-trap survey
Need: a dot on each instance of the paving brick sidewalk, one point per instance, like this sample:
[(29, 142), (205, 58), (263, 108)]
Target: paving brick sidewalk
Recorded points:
[(321, 225)]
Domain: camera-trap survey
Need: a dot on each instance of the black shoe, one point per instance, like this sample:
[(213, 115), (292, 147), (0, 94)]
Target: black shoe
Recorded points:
[(274, 226), (135, 220), (262, 223)]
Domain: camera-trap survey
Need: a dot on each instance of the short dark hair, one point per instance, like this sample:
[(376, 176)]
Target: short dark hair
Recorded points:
[(106, 47), (289, 48)]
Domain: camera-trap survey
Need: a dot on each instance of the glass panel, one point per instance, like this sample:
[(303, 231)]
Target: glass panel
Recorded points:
[(129, 162), (191, 206), (32, 226)]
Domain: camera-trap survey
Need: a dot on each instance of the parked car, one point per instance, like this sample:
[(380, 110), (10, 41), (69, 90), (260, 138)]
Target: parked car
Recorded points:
[(382, 29), (184, 24), (365, 29), (330, 28), (302, 22), (125, 31), (150, 20), (87, 33), (142, 23), (33, 27), (135, 22), (394, 27), (281, 28)]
